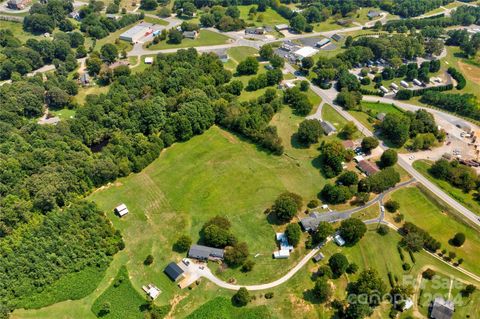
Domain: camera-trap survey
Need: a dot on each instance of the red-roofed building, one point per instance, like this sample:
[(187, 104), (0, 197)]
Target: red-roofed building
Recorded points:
[(367, 167)]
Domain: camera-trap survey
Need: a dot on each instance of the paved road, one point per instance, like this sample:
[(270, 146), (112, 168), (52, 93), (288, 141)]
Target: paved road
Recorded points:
[(210, 276), (337, 216)]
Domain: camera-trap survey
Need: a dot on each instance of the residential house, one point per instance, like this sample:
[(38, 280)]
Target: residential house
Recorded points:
[(255, 30), (18, 4), (328, 128), (84, 79), (367, 167), (442, 309), (190, 34), (349, 144), (205, 253), (318, 257), (285, 247), (281, 27)]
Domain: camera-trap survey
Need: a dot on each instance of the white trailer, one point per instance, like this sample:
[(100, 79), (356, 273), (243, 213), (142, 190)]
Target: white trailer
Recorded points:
[(394, 86), (384, 89), (404, 84), (417, 82)]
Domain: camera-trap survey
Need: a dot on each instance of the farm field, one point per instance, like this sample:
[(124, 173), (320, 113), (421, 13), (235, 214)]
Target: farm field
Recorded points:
[(205, 38), (466, 199), (419, 209)]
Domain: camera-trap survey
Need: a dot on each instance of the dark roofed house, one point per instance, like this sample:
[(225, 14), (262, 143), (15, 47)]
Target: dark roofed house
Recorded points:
[(336, 37), (328, 127), (367, 167), (205, 253), (173, 271), (442, 309), (18, 4), (318, 257)]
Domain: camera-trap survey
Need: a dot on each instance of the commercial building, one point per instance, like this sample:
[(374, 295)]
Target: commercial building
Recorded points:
[(336, 37), (135, 33), (323, 42), (305, 52)]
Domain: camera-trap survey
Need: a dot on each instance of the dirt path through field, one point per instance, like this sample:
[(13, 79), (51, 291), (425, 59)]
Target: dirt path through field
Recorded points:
[(471, 72)]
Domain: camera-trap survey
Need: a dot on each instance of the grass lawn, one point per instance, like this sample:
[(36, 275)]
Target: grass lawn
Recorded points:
[(331, 115), (223, 308), (466, 199), (114, 38), (267, 18), (64, 114), (17, 29), (239, 54), (419, 209), (124, 300), (205, 38), (471, 73), (159, 21), (327, 25), (371, 212), (84, 91)]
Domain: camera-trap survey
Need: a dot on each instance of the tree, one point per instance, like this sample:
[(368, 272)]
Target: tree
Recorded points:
[(348, 178), (349, 41), (324, 230), (298, 23), (458, 239), (396, 128), (183, 243), (236, 255), (468, 290), (266, 52), (286, 206), (388, 158), (392, 206), (383, 230), (148, 4), (217, 237), (348, 130), (293, 232), (338, 264), (309, 131), (233, 12), (349, 100), (336, 194), (304, 85), (248, 66), (370, 286), (369, 143), (241, 297), (109, 52), (413, 241), (148, 261), (332, 156), (352, 230), (352, 268), (307, 63), (175, 36), (322, 290), (248, 265), (105, 309), (165, 12), (428, 274)]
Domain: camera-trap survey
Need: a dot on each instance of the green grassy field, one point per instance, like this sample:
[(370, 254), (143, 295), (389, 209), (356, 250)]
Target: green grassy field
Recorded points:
[(443, 286), (267, 18), (17, 29), (84, 91), (223, 308), (369, 120), (205, 38), (419, 209), (467, 199), (123, 299)]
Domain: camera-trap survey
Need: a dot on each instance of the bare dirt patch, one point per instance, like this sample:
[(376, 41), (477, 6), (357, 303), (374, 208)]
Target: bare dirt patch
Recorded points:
[(471, 72)]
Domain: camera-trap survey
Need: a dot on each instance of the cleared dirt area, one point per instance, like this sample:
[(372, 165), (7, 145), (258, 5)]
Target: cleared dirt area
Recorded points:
[(471, 72)]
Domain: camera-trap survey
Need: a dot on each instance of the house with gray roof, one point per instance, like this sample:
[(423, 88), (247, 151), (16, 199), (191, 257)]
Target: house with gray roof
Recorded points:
[(205, 253), (328, 128), (442, 309)]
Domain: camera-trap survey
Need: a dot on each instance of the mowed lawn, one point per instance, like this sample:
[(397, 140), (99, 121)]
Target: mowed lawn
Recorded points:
[(268, 18), (420, 210), (205, 38), (466, 199)]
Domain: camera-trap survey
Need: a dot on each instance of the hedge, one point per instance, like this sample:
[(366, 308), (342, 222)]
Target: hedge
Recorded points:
[(458, 76), (404, 94)]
